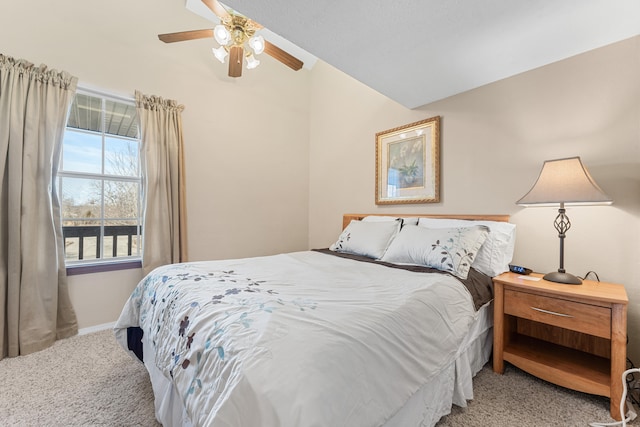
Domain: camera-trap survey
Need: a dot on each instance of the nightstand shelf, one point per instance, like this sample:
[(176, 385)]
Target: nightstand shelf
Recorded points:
[(560, 365), (571, 335)]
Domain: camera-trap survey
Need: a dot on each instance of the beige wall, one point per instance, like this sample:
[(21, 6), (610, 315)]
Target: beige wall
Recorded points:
[(246, 140), (494, 141), (98, 298)]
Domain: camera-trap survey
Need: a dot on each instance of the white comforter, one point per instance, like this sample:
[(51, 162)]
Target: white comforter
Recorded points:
[(300, 339)]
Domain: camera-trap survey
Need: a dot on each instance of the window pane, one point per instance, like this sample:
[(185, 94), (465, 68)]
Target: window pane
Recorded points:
[(81, 152), (86, 113), (71, 248), (121, 119), (121, 157), (123, 236), (81, 198), (80, 239), (121, 199), (90, 249), (100, 179)]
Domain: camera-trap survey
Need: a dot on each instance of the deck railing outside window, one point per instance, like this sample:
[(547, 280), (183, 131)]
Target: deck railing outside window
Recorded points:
[(83, 242)]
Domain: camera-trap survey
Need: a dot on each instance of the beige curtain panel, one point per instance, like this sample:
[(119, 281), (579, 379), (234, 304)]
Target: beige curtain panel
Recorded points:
[(35, 308), (164, 231)]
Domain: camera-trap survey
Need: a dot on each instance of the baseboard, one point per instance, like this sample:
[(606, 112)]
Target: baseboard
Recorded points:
[(96, 328)]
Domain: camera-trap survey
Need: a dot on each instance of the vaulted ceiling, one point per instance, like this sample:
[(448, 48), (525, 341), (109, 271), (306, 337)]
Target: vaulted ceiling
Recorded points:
[(419, 51)]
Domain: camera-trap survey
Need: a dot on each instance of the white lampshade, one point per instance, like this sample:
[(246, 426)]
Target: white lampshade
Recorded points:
[(222, 35), (252, 62), (565, 181), (257, 44), (220, 53)]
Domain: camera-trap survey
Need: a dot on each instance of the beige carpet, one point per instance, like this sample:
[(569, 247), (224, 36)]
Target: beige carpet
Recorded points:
[(90, 381), (85, 380), (519, 399)]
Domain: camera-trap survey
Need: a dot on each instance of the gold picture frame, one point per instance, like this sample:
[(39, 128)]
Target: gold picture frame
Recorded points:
[(408, 163)]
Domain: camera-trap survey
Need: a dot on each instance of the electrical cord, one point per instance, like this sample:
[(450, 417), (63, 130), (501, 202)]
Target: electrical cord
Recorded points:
[(633, 384), (631, 413), (588, 273)]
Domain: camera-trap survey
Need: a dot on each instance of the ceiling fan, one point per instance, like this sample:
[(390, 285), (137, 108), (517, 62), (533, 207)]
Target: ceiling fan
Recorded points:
[(237, 39)]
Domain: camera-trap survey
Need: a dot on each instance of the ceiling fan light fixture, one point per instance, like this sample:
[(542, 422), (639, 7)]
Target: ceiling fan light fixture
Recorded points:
[(257, 44), (220, 53), (237, 40), (222, 35), (252, 62)]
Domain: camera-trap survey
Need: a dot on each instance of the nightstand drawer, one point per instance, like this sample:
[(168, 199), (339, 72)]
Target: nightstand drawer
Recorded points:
[(576, 316)]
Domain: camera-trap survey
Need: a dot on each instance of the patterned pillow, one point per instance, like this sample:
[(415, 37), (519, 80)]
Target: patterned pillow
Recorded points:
[(370, 239), (496, 252), (447, 249)]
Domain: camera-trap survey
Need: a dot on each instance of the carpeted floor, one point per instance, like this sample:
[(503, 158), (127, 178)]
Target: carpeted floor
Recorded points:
[(85, 380), (519, 399), (89, 380)]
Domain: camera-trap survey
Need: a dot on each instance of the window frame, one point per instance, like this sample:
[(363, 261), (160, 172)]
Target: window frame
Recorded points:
[(85, 266)]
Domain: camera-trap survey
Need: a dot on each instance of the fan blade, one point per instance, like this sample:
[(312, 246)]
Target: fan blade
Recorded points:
[(185, 35), (282, 56), (217, 8), (236, 54)]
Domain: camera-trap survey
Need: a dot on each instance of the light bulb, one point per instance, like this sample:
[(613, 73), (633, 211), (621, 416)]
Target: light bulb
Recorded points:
[(222, 35), (252, 62), (220, 53), (257, 44)]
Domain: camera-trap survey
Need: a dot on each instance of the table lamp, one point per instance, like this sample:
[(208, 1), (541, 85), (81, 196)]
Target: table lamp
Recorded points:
[(564, 182)]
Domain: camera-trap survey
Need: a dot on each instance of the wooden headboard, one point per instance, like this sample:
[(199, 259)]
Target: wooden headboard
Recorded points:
[(347, 218)]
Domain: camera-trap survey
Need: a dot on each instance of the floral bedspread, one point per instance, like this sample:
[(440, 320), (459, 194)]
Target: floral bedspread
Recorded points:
[(300, 339)]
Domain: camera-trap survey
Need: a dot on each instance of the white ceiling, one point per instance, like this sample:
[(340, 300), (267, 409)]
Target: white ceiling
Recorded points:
[(419, 51)]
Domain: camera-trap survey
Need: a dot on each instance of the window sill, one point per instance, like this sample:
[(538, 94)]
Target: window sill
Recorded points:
[(73, 270)]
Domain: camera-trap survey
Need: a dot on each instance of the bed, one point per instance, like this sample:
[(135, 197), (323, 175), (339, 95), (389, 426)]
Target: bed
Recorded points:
[(387, 327)]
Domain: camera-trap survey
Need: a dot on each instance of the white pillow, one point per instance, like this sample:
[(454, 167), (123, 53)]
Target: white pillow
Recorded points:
[(369, 239), (447, 249), (496, 253), (405, 220)]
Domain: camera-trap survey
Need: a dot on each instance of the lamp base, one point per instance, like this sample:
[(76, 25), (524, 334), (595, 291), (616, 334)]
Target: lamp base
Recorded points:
[(566, 278)]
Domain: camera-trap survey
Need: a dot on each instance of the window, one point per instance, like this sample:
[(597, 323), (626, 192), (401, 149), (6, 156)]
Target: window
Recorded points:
[(99, 181)]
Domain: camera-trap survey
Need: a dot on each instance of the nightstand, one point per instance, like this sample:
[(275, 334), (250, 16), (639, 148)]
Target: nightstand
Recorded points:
[(574, 336)]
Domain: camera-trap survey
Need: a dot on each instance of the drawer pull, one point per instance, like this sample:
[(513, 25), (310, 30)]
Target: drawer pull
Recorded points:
[(550, 312)]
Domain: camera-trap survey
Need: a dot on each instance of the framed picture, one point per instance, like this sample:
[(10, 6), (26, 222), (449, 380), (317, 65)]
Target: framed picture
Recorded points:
[(408, 163)]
